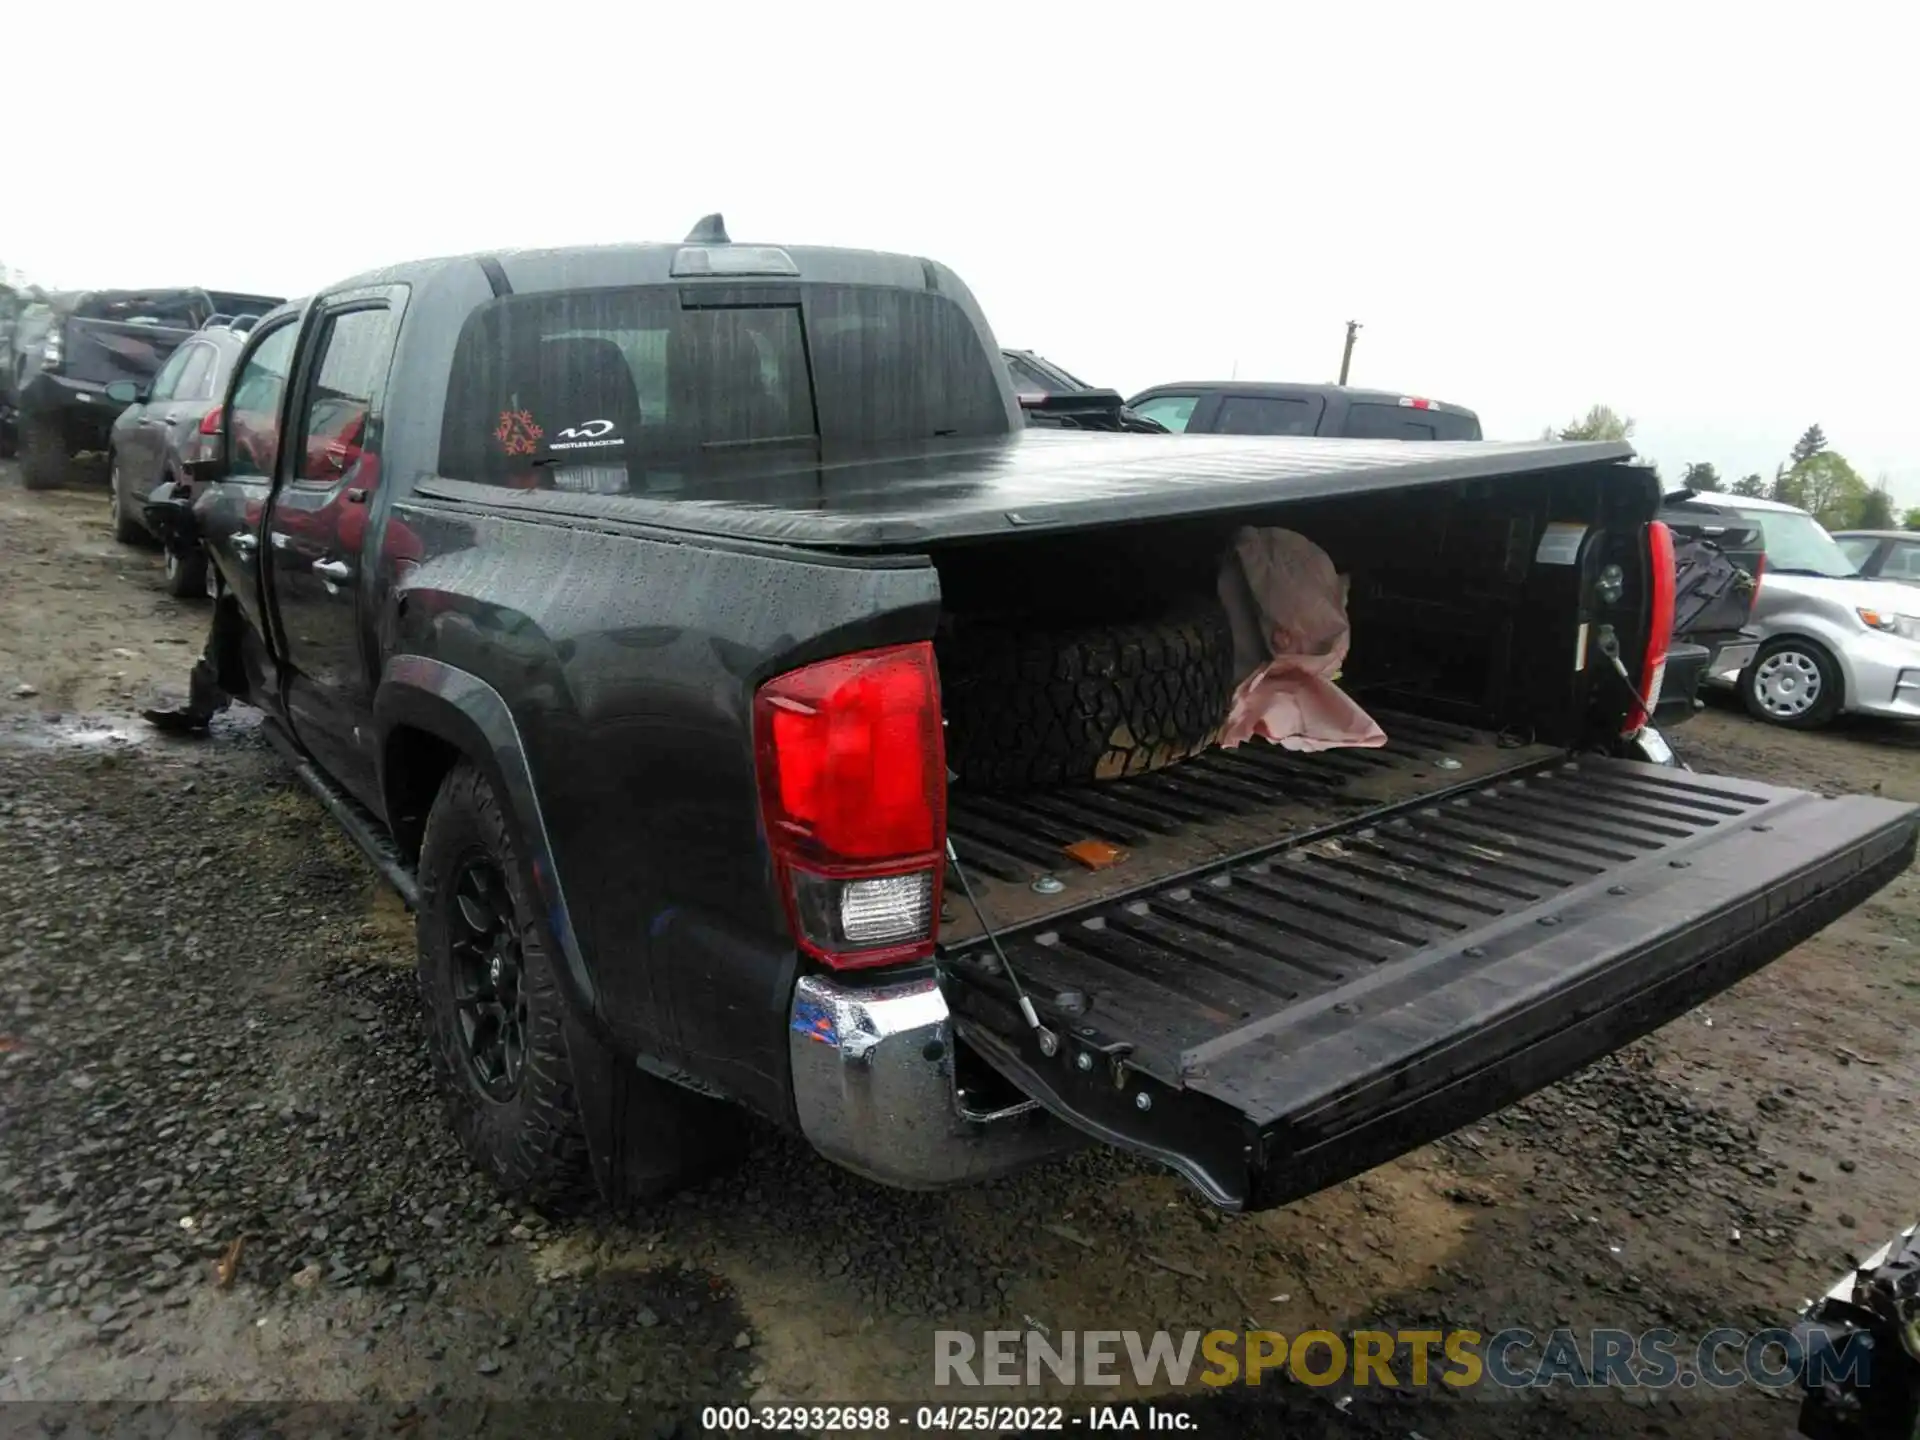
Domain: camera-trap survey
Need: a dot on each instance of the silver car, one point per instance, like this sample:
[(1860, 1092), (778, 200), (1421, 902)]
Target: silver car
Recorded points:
[(162, 428), (1831, 640)]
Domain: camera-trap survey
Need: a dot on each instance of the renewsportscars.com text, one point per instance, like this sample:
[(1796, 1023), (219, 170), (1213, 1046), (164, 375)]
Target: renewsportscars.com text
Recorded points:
[(1512, 1359)]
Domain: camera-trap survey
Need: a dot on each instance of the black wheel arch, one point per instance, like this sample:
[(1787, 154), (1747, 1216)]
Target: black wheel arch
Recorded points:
[(642, 1132), (431, 717)]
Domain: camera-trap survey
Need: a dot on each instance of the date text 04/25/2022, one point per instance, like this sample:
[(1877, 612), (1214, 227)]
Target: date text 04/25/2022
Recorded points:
[(944, 1419)]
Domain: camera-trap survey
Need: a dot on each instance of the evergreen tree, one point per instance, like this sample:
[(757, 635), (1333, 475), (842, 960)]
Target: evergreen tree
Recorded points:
[(1810, 444)]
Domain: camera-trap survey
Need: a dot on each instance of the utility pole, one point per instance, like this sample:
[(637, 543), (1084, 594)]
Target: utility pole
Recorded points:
[(1346, 356)]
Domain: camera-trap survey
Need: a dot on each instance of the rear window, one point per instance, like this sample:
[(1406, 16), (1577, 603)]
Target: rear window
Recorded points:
[(1267, 415), (632, 391), (1371, 421), (1797, 545)]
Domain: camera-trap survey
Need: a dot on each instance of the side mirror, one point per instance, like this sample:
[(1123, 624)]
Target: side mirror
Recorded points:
[(123, 392)]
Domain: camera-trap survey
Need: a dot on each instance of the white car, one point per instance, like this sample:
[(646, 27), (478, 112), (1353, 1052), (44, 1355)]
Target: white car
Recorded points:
[(1830, 640)]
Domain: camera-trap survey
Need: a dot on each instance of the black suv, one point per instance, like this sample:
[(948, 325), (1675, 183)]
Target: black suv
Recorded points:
[(1215, 407)]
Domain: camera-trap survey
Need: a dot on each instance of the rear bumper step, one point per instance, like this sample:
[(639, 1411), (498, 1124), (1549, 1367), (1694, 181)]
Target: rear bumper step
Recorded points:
[(1289, 1019)]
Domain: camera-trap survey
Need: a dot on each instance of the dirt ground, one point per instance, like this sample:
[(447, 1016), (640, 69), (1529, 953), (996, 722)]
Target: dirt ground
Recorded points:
[(209, 1054)]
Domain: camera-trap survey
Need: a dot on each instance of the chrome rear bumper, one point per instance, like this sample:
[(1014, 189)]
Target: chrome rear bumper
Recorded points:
[(874, 1090)]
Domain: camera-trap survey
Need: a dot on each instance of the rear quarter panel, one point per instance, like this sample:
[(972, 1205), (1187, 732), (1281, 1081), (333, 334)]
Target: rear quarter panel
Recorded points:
[(629, 663)]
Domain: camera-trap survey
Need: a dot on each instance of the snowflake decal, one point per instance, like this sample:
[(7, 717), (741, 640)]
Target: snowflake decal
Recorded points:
[(516, 432)]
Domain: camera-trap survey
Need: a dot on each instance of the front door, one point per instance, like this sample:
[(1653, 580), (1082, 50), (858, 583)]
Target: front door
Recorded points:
[(316, 533)]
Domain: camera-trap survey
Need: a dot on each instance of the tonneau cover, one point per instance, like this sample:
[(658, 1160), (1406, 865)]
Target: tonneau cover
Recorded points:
[(1034, 480)]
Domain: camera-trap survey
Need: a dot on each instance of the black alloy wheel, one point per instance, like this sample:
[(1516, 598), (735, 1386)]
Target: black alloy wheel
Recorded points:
[(489, 978)]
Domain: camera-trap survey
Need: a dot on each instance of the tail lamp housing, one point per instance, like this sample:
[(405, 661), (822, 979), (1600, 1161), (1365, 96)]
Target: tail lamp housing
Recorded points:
[(851, 759), (1662, 581)]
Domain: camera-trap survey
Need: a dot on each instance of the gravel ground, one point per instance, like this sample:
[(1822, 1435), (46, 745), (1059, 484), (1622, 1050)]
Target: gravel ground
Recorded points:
[(223, 1175)]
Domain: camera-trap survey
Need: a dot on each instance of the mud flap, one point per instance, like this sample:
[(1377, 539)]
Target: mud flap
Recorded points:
[(1274, 1024), (645, 1135)]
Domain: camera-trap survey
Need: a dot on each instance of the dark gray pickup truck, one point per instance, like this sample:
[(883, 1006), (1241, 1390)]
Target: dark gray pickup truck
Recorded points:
[(759, 715)]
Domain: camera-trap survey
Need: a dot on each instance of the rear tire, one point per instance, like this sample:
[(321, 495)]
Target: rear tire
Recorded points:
[(126, 528), (187, 572), (517, 1118), (1028, 707), (44, 461), (1792, 682)]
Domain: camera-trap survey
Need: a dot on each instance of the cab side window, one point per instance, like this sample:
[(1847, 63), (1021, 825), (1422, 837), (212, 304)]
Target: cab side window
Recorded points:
[(338, 420), (196, 381), (253, 420)]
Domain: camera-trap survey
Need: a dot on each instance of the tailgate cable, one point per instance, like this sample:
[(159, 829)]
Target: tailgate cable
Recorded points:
[(1049, 1042)]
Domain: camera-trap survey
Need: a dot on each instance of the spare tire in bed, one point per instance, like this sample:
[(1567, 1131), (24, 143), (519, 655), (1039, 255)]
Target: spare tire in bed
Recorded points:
[(1029, 706)]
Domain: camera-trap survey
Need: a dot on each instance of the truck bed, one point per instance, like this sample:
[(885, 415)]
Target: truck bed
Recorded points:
[(1206, 810)]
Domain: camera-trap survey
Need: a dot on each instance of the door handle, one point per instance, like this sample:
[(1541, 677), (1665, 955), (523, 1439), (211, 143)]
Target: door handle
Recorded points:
[(336, 570)]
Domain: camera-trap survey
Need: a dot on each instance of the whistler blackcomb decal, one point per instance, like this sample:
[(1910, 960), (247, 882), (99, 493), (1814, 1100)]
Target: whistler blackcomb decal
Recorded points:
[(587, 435)]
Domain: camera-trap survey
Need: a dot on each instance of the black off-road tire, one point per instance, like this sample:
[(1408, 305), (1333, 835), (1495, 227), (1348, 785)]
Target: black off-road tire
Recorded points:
[(1030, 707), (44, 461), (533, 1145), (186, 571)]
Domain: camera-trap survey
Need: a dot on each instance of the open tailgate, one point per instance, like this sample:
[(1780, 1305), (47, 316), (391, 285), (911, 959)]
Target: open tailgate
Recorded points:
[(1273, 1024)]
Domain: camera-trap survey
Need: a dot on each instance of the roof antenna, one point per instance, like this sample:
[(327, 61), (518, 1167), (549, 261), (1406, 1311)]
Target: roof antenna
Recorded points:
[(711, 230)]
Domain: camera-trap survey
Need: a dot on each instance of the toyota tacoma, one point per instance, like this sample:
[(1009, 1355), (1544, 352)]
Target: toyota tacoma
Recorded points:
[(760, 716)]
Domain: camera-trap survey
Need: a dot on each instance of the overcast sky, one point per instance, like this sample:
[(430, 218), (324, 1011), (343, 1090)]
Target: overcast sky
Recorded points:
[(1704, 215)]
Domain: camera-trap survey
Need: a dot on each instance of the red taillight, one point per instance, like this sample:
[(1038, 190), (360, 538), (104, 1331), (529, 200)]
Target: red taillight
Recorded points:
[(853, 790), (1660, 596), (1759, 571), (210, 425)]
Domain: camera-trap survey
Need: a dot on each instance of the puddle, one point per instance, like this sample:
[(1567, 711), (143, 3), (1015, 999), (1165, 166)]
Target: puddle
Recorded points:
[(108, 733)]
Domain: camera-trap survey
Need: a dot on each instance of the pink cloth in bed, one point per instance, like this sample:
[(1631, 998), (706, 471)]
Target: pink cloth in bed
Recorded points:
[(1288, 609)]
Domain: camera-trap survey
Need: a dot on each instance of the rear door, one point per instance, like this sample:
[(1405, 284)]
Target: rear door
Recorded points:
[(229, 512), (1274, 1023), (316, 529), (139, 438), (1263, 415), (1408, 418), (184, 406)]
